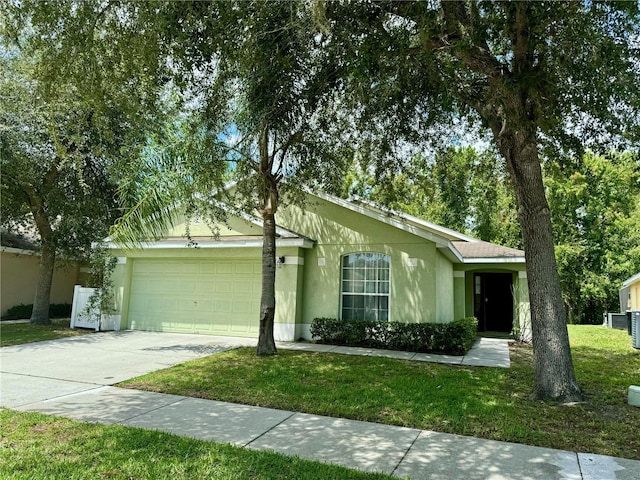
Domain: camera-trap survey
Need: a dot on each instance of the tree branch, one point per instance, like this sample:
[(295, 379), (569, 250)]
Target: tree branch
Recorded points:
[(477, 56)]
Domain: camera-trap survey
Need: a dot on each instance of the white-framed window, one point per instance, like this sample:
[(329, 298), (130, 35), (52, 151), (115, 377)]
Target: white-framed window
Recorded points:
[(365, 286)]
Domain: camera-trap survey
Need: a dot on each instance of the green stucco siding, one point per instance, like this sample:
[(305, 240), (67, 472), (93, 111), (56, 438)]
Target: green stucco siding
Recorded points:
[(233, 226), (340, 231), (522, 310), (288, 276), (444, 289), (121, 279), (468, 295), (459, 296)]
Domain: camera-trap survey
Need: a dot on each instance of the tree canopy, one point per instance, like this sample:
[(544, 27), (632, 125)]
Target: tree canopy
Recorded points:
[(457, 187), (69, 113)]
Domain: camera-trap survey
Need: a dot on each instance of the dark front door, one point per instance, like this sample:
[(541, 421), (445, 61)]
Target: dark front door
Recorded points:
[(493, 301)]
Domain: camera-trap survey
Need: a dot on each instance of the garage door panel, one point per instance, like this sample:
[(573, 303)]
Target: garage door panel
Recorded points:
[(223, 287), (218, 297), (206, 287), (191, 268), (240, 288), (238, 327), (142, 286), (243, 268), (186, 287), (168, 304), (241, 307), (223, 268), (187, 305), (222, 306)]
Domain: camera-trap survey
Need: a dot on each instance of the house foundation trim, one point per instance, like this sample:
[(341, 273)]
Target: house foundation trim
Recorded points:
[(284, 332)]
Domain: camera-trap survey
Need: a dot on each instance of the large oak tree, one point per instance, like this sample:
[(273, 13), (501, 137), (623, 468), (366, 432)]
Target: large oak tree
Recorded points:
[(56, 149), (536, 74)]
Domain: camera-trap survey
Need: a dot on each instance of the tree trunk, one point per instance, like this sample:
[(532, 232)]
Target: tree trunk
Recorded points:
[(40, 313), (269, 199), (554, 373), (266, 343)]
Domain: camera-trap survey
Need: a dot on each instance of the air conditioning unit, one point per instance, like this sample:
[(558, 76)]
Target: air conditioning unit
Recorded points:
[(635, 328), (616, 320)]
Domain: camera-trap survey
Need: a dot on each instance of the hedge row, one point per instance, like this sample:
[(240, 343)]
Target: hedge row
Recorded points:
[(20, 312), (454, 338)]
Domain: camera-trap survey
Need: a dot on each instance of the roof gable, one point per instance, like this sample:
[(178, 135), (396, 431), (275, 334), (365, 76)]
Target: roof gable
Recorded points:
[(456, 246), (233, 226), (238, 230)]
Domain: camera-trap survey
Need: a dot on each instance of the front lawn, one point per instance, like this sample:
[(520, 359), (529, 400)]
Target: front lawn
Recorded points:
[(18, 333), (485, 402), (35, 446)]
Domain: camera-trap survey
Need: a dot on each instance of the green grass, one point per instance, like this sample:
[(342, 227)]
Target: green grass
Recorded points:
[(35, 446), (18, 333), (485, 402)]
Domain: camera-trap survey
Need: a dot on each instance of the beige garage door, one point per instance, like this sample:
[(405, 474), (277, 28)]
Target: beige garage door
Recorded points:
[(195, 296)]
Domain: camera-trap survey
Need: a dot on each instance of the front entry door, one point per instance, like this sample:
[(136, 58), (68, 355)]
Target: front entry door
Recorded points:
[(493, 301)]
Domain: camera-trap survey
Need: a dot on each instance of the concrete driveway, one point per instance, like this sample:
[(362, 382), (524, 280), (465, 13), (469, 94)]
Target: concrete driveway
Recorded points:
[(34, 372)]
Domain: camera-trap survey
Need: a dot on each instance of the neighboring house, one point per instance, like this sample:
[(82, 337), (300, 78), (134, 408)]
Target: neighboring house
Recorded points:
[(632, 288), (623, 295), (19, 264), (336, 258)]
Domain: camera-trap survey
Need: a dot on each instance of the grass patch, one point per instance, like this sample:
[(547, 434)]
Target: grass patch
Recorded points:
[(484, 402), (18, 333), (40, 446)]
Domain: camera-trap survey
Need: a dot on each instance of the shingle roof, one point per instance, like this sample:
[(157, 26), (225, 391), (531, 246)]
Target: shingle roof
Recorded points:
[(17, 240), (480, 249)]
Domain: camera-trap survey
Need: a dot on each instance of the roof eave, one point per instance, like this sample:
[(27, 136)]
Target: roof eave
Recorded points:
[(631, 280), (20, 251), (164, 244), (450, 253), (494, 260), (420, 223)]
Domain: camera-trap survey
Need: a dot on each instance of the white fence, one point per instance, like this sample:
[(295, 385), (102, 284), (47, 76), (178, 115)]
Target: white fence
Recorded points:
[(83, 317)]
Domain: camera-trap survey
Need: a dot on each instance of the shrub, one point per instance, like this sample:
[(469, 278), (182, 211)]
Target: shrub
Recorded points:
[(56, 310), (454, 338)]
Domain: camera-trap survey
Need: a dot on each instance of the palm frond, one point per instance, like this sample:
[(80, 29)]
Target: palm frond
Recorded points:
[(150, 219)]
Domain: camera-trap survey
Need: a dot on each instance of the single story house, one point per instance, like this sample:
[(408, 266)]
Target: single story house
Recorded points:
[(19, 269), (336, 258), (631, 287)]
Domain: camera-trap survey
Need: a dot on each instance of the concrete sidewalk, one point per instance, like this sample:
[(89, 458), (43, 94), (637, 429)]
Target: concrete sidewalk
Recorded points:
[(91, 366)]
